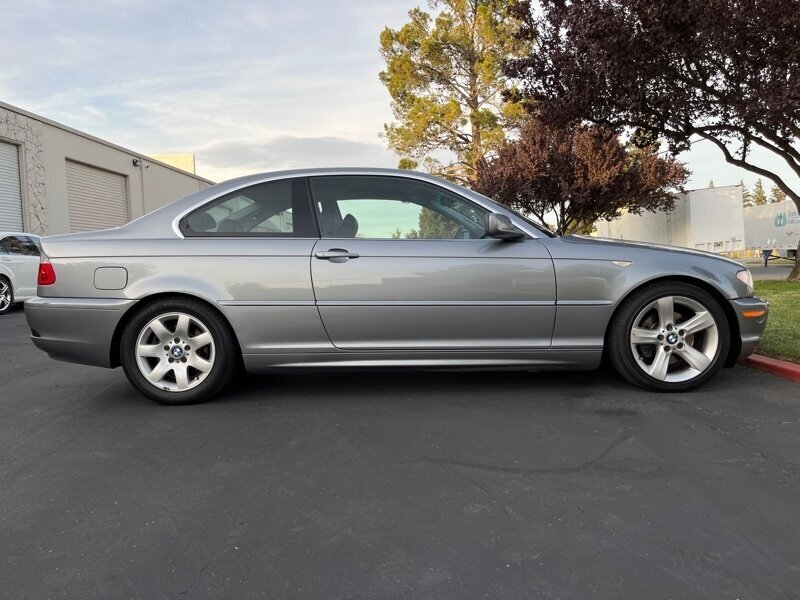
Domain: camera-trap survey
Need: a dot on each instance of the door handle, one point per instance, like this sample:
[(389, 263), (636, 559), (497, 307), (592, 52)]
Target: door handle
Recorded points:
[(337, 255)]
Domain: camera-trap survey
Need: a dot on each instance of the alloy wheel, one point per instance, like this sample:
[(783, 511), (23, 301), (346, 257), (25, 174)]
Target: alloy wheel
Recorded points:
[(674, 339), (5, 295), (175, 352)]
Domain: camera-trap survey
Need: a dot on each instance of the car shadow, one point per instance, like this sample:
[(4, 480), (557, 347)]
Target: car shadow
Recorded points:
[(357, 385)]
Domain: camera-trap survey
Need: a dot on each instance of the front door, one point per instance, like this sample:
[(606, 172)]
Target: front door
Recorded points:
[(405, 264)]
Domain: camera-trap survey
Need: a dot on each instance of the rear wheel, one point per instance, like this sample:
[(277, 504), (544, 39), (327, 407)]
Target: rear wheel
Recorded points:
[(6, 296), (178, 352), (669, 337)]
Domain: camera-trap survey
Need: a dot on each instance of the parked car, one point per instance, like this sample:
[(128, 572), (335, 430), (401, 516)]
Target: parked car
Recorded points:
[(378, 268), (19, 263)]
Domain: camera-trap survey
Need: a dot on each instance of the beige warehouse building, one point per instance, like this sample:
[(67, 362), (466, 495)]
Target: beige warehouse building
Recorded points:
[(55, 179)]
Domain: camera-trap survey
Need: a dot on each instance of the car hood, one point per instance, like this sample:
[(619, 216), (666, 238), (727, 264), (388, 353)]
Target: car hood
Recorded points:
[(608, 242)]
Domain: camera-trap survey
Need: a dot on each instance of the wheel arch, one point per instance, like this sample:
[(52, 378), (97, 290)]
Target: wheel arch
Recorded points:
[(8, 277), (143, 303), (733, 322)]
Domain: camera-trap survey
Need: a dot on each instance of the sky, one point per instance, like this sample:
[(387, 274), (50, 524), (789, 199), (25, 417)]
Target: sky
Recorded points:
[(246, 86)]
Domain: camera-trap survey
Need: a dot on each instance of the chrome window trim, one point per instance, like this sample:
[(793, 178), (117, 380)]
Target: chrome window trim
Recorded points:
[(415, 175)]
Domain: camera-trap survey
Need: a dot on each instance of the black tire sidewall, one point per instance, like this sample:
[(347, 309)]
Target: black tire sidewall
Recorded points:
[(225, 352), (622, 357)]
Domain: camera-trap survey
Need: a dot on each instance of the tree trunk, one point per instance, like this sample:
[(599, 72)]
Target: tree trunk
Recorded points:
[(795, 274)]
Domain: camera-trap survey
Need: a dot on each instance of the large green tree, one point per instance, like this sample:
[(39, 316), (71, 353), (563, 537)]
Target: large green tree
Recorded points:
[(444, 72), (776, 195), (747, 197), (759, 195)]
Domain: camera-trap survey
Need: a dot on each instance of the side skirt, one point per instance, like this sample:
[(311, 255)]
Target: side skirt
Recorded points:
[(579, 359)]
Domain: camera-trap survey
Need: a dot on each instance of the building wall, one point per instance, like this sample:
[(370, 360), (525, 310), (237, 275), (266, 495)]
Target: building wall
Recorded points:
[(717, 219), (46, 146), (707, 219), (772, 226), (185, 162), (27, 134), (671, 228)]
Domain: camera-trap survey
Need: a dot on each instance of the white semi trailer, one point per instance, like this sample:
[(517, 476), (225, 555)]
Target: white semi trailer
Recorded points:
[(773, 227)]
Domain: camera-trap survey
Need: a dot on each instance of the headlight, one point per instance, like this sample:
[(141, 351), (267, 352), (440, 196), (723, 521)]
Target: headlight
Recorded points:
[(746, 277)]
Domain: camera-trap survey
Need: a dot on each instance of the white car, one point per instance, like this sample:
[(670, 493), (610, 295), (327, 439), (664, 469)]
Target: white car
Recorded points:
[(19, 267)]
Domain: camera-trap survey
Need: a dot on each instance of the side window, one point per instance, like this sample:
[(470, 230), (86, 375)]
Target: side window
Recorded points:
[(383, 207), (3, 246), (13, 244), (29, 247), (272, 209), (36, 250)]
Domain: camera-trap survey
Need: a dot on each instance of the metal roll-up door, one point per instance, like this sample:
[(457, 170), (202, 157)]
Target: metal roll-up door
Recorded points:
[(97, 199), (10, 191)]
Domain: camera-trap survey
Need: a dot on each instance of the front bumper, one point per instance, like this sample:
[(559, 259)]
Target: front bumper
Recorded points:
[(76, 330), (751, 329)]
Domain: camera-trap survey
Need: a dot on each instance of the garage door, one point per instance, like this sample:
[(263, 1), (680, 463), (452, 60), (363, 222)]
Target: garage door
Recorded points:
[(10, 196), (97, 199)]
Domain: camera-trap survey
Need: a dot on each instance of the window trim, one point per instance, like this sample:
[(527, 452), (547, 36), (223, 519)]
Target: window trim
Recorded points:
[(533, 232), (298, 188)]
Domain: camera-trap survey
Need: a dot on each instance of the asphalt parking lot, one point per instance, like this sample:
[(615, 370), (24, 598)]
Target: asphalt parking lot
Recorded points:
[(395, 485)]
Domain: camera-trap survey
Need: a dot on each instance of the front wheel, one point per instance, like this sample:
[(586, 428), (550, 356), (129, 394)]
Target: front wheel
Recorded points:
[(178, 352), (6, 296), (669, 337)]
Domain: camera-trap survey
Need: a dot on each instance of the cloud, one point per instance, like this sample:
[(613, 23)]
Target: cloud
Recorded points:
[(230, 159), (292, 81)]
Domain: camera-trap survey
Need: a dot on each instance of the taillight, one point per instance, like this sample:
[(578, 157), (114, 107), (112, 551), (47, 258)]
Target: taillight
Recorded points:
[(47, 275)]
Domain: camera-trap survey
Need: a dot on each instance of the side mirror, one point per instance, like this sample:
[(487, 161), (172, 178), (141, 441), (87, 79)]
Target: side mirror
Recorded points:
[(500, 227)]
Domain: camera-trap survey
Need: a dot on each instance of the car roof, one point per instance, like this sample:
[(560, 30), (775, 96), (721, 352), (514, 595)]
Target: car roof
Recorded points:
[(23, 233)]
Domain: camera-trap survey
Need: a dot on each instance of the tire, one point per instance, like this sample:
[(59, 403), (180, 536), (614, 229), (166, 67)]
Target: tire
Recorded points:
[(178, 351), (6, 296), (669, 337)]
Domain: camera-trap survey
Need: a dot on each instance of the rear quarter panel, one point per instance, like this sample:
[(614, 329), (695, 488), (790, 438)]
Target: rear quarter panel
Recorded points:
[(263, 286)]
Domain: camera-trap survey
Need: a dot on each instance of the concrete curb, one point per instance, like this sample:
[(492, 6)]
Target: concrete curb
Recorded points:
[(780, 368)]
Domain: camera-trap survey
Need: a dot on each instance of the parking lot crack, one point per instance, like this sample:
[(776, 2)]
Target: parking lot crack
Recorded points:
[(514, 470)]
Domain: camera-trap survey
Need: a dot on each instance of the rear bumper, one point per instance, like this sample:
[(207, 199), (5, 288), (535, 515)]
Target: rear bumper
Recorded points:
[(76, 330), (751, 329)]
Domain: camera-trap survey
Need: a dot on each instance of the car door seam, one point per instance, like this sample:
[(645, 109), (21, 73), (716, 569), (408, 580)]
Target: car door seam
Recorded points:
[(314, 292)]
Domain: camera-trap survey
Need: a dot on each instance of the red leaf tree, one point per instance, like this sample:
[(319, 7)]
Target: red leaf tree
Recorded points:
[(575, 174)]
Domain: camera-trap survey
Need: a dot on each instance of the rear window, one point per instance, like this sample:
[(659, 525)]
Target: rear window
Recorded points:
[(21, 245)]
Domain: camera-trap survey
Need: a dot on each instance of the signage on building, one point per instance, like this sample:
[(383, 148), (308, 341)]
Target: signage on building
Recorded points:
[(782, 219)]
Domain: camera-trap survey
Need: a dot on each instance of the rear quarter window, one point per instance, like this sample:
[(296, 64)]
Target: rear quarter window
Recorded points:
[(271, 209)]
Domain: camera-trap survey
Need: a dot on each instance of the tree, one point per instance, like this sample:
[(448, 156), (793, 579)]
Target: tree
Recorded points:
[(445, 76), (578, 174), (759, 196), (776, 195), (711, 184), (747, 197), (724, 71)]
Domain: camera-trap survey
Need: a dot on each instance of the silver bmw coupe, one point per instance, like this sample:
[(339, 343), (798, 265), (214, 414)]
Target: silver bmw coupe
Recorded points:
[(378, 268)]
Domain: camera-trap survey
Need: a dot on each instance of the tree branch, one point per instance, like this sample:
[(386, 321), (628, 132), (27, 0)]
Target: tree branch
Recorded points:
[(729, 158)]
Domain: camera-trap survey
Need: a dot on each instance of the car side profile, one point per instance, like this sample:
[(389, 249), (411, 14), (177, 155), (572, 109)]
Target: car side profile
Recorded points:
[(19, 264), (377, 268)]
